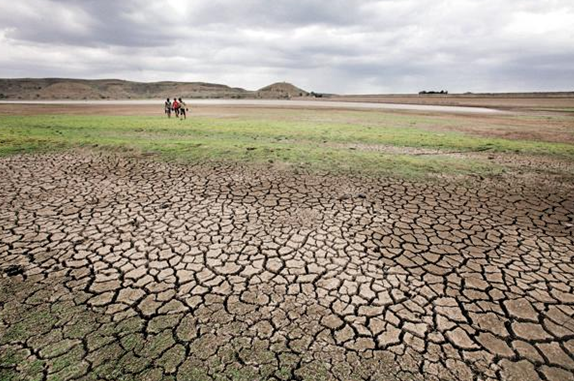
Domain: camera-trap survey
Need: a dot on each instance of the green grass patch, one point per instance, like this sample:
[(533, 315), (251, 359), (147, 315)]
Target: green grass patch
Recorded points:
[(314, 139)]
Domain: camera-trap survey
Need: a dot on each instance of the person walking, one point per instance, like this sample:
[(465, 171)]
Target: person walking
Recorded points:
[(182, 109), (175, 106), (167, 108)]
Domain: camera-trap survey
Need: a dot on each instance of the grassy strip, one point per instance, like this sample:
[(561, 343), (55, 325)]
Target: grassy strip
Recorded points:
[(101, 129), (294, 142)]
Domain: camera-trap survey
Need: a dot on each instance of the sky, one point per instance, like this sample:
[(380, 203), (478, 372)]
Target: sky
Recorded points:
[(334, 46)]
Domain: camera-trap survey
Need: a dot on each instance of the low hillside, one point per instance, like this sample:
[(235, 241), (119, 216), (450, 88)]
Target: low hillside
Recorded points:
[(80, 89)]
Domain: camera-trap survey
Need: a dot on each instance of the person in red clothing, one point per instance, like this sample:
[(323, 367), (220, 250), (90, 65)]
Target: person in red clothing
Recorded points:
[(175, 106)]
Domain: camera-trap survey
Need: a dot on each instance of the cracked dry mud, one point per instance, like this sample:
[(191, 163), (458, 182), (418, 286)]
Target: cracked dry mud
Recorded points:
[(122, 269)]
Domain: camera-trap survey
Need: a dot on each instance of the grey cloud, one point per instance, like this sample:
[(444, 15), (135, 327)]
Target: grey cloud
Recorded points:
[(83, 23), (281, 14), (335, 46)]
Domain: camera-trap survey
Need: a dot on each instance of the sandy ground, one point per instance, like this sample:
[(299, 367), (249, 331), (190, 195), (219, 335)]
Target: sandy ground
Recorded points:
[(79, 109), (266, 103), (121, 267), (510, 102)]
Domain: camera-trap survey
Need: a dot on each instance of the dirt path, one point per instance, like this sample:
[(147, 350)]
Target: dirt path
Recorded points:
[(124, 269)]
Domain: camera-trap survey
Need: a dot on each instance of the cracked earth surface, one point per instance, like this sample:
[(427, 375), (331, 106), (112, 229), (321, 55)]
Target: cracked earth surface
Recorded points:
[(123, 269)]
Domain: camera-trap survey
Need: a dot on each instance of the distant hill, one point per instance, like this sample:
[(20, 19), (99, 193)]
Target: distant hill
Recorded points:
[(80, 89), (281, 90)]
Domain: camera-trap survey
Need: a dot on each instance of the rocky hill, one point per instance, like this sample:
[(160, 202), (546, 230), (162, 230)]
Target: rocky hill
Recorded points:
[(281, 90), (80, 89)]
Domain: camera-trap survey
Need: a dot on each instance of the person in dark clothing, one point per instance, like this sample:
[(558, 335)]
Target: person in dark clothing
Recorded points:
[(182, 109)]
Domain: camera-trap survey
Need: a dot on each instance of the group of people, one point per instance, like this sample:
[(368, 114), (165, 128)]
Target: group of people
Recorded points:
[(178, 106)]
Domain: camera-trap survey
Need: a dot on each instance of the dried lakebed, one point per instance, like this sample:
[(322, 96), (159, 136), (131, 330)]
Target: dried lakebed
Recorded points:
[(123, 269), (273, 103)]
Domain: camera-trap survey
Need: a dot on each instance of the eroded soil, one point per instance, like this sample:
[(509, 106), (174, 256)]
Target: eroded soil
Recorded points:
[(127, 269)]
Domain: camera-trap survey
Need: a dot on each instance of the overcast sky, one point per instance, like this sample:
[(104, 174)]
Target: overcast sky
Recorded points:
[(342, 46)]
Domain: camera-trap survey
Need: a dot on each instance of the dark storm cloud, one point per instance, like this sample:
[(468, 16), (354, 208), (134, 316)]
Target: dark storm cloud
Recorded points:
[(335, 46), (85, 23)]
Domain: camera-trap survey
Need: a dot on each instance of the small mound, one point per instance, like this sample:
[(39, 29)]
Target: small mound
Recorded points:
[(281, 90)]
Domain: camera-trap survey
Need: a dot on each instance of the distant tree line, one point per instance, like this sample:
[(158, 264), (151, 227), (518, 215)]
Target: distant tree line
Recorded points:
[(424, 92)]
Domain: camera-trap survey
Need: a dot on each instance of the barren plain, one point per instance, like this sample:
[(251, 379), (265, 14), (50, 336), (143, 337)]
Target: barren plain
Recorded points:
[(285, 244), (560, 102)]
